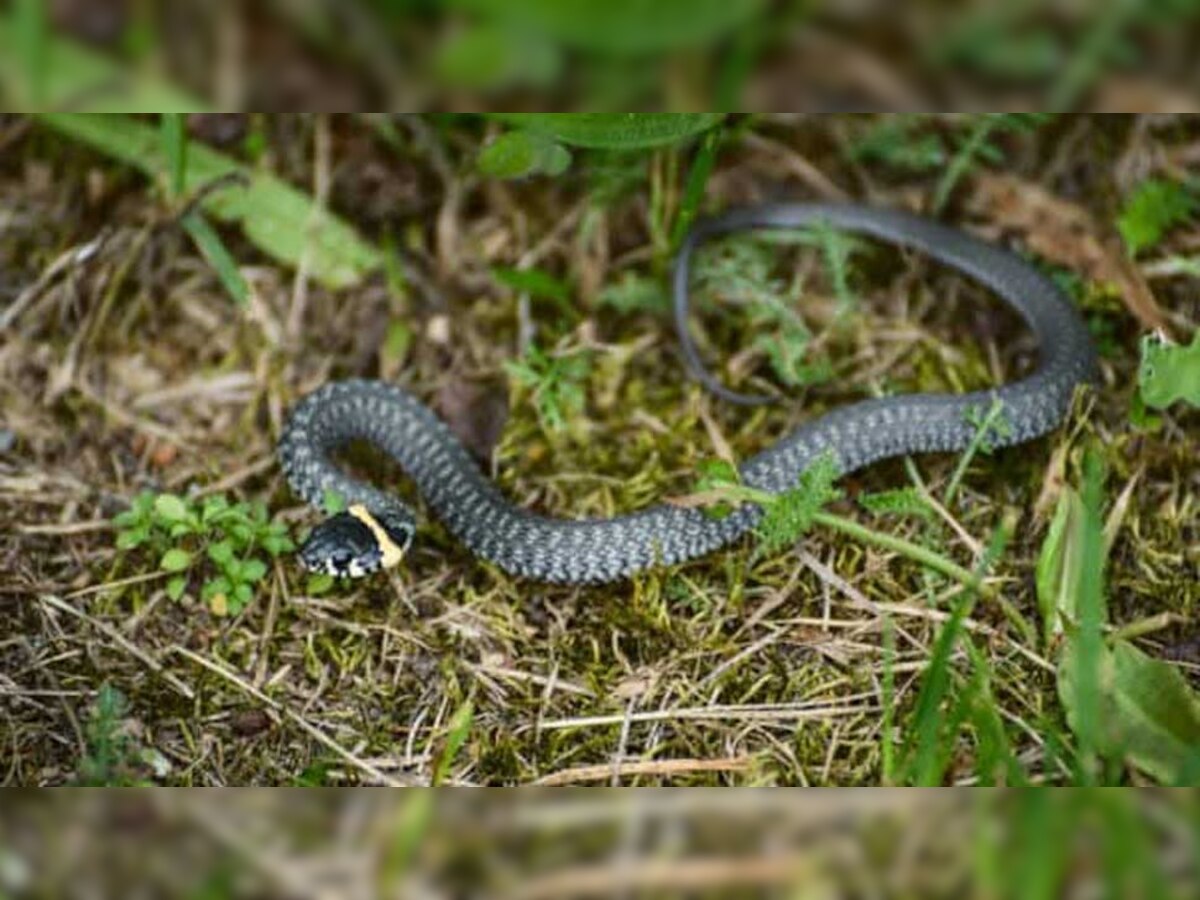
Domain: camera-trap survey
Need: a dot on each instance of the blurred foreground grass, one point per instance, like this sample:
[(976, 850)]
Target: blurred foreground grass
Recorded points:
[(1025, 845), (183, 55)]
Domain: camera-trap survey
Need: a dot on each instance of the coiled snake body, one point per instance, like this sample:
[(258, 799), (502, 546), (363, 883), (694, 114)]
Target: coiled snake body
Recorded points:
[(376, 528)]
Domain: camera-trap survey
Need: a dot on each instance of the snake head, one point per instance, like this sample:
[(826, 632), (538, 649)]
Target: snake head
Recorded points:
[(356, 542)]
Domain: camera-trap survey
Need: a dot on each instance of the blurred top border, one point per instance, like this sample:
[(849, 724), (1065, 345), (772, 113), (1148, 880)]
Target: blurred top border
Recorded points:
[(669, 55)]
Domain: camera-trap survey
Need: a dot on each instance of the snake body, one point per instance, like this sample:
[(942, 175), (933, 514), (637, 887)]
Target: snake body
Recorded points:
[(601, 550)]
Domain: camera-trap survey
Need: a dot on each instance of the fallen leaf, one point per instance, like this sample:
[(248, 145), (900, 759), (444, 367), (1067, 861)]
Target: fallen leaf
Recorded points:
[(1066, 233)]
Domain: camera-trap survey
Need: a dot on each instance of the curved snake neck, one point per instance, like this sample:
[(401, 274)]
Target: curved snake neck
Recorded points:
[(599, 550)]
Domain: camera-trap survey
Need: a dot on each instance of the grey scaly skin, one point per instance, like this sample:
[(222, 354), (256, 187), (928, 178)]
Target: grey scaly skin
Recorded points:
[(590, 551)]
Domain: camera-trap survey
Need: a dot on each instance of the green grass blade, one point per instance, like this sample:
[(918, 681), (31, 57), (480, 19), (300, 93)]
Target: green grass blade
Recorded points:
[(888, 689), (1089, 641), (209, 243), (175, 145), (456, 736), (697, 180)]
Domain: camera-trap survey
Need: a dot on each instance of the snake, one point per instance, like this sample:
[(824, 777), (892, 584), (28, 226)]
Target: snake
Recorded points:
[(370, 529)]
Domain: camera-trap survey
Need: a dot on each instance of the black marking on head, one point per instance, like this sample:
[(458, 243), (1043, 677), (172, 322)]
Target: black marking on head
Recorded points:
[(342, 546), (392, 533), (398, 528)]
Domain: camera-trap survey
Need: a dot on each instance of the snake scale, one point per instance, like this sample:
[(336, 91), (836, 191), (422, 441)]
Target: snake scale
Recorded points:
[(376, 528)]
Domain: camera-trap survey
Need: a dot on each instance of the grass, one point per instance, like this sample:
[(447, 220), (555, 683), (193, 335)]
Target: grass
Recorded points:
[(897, 642)]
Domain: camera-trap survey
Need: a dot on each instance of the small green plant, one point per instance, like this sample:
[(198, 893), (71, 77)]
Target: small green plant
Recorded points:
[(1169, 372), (1153, 209), (112, 757), (556, 383), (901, 142), (741, 270), (977, 146), (792, 512), (787, 514), (211, 540), (949, 703), (964, 142)]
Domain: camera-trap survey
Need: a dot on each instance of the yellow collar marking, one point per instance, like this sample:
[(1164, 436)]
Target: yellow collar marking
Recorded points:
[(392, 552)]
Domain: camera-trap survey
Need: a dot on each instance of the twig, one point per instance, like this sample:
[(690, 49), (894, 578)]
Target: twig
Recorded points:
[(315, 732), (73, 257), (68, 527), (646, 767), (769, 712), (123, 642)]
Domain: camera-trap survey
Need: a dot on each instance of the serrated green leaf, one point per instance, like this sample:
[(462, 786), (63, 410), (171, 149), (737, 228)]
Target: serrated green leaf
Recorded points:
[(175, 560), (791, 512), (171, 508), (519, 154), (213, 249), (332, 502), (281, 220), (613, 131)]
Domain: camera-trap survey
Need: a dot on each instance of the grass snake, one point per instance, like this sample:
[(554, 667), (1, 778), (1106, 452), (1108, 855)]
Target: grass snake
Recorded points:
[(375, 528)]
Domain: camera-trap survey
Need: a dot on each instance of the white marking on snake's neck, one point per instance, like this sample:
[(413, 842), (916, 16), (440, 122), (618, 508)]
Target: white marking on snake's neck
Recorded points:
[(392, 552)]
